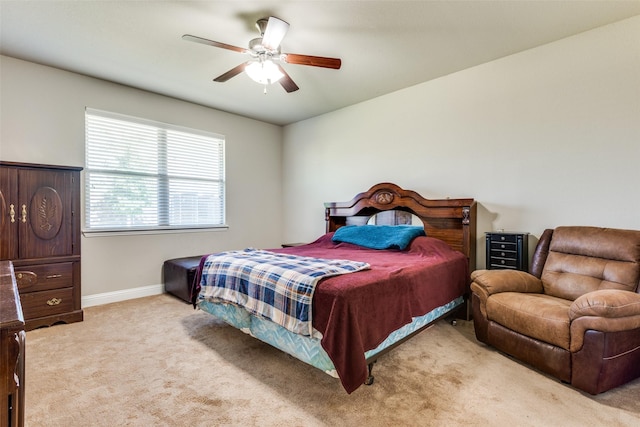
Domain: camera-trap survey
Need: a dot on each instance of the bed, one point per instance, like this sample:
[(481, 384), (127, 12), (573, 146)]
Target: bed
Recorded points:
[(358, 316)]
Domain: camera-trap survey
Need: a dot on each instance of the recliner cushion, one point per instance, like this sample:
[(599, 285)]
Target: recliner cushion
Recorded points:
[(571, 276), (538, 316), (585, 259)]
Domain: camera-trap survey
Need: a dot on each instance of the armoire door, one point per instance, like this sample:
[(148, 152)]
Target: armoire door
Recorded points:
[(8, 213), (44, 213)]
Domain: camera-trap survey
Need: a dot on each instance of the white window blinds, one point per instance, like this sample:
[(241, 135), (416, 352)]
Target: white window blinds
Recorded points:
[(145, 175)]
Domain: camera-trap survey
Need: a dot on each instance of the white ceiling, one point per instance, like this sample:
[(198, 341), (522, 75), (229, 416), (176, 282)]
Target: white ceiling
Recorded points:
[(384, 45)]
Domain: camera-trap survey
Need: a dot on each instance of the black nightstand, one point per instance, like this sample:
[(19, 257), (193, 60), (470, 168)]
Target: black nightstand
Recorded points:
[(507, 250)]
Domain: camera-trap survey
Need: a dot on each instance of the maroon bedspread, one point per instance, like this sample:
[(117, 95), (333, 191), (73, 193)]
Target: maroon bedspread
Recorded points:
[(356, 312)]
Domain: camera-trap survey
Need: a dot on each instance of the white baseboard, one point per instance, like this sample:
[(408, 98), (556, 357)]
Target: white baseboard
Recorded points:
[(126, 294)]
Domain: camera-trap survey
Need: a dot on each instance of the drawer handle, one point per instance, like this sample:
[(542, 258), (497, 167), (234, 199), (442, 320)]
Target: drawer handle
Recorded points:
[(501, 237), (502, 253), (502, 246), (26, 279), (54, 301), (53, 276), (502, 261), (24, 213), (12, 212), (15, 354)]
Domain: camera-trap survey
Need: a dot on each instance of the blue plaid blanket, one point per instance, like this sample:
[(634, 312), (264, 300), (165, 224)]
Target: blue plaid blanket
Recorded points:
[(273, 285)]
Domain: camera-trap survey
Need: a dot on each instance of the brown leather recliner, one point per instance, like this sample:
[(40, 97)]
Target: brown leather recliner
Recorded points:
[(576, 315)]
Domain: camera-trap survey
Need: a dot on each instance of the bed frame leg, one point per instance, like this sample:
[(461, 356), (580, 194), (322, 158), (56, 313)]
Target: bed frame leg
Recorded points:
[(370, 377)]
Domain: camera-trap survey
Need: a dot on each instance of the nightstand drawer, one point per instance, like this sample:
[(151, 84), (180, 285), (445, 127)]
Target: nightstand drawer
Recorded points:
[(45, 276), (504, 254), (501, 246), (499, 237), (46, 303), (496, 262)]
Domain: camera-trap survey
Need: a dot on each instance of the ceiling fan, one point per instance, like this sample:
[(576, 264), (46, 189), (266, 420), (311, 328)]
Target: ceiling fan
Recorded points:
[(263, 67)]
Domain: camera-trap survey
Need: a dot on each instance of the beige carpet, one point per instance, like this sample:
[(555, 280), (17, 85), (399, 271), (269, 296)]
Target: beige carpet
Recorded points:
[(157, 362)]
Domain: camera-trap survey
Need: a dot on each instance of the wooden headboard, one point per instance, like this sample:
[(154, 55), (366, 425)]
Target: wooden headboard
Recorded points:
[(450, 220)]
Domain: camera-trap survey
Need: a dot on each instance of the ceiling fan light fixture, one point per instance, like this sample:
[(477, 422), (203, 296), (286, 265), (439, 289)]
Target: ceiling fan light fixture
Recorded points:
[(263, 72), (263, 51)]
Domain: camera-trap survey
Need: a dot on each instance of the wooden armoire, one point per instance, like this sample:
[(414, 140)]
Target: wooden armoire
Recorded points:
[(40, 234)]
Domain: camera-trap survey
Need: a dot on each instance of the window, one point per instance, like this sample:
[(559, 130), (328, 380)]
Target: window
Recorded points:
[(145, 175)]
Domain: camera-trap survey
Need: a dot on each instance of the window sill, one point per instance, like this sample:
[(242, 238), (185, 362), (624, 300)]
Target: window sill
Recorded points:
[(115, 233)]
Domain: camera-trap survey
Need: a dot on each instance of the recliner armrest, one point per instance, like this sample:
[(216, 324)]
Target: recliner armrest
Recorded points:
[(610, 303), (606, 310), (495, 281)]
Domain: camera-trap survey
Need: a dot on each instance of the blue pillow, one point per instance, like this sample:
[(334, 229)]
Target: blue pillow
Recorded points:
[(378, 236)]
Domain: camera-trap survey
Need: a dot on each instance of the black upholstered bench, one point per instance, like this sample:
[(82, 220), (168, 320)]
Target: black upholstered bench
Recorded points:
[(179, 274)]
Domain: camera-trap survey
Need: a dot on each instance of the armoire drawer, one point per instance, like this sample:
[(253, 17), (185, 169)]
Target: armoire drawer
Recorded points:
[(46, 303), (45, 276)]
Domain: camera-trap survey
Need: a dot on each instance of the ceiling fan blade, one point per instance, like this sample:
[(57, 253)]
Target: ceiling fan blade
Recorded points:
[(231, 73), (274, 33), (197, 39), (314, 61), (287, 82)]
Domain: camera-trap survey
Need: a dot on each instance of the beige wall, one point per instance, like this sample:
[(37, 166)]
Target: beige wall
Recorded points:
[(42, 121), (546, 137)]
